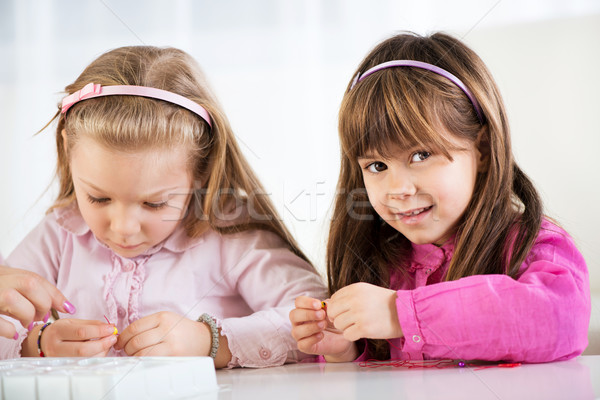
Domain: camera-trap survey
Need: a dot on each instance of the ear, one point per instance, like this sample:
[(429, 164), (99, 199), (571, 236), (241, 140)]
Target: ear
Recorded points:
[(482, 143)]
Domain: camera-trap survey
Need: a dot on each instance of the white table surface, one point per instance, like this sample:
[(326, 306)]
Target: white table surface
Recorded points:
[(574, 379)]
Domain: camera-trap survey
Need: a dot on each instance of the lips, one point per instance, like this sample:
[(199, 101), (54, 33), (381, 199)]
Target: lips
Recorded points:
[(414, 212)]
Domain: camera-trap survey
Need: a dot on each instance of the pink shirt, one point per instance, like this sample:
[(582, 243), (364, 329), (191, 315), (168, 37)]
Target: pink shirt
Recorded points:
[(541, 316), (248, 281)]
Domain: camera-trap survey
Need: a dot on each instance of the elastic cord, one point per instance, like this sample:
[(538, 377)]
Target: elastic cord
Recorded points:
[(423, 65)]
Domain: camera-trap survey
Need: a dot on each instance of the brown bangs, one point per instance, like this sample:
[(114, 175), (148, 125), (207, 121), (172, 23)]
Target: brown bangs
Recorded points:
[(397, 109)]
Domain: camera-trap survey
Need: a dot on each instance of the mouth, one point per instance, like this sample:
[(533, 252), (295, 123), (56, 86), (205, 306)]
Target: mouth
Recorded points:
[(131, 247), (414, 212)]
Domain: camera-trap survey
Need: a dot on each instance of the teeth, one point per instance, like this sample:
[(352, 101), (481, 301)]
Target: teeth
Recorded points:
[(415, 212)]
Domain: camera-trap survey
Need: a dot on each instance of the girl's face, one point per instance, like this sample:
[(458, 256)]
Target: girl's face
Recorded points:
[(420, 193), (130, 201)]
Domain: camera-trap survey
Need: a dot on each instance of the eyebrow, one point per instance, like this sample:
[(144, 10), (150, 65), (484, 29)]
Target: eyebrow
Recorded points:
[(161, 191)]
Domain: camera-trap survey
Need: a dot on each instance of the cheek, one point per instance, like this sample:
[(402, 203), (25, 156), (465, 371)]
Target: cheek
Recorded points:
[(160, 225)]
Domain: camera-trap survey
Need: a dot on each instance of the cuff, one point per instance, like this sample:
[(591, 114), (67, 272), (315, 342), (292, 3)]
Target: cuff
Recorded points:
[(407, 316), (9, 347), (257, 340)]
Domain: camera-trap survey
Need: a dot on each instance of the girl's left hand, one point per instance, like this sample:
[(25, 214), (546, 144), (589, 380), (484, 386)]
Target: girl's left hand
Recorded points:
[(362, 310), (165, 334)]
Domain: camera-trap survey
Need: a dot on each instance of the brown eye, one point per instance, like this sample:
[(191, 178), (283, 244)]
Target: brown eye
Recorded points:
[(376, 167), (420, 156)]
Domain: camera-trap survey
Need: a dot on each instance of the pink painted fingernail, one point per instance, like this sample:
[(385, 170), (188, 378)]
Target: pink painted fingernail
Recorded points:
[(46, 317), (69, 307), (30, 326), (16, 335)]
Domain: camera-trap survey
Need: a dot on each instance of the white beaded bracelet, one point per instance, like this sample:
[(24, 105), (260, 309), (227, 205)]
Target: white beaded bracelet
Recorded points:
[(210, 321)]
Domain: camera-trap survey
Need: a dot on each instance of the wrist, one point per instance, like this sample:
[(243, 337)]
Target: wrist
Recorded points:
[(350, 354), (29, 346)]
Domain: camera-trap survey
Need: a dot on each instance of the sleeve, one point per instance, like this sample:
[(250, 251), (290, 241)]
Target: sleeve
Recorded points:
[(542, 316), (39, 252), (269, 277)]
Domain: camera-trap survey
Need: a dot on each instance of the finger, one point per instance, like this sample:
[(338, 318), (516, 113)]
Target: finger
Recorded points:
[(146, 340), (87, 348), (309, 344), (136, 328), (37, 291), (157, 350), (16, 306), (337, 306), (307, 302), (305, 330), (343, 321), (302, 315), (80, 330), (8, 330)]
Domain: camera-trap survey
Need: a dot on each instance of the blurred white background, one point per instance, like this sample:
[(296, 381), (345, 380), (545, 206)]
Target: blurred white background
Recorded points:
[(280, 69)]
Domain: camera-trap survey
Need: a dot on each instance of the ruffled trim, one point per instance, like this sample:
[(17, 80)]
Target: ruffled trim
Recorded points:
[(137, 281), (109, 284)]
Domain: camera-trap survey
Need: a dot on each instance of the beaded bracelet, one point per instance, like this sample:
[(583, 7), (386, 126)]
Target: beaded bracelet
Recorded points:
[(214, 332), (39, 341)]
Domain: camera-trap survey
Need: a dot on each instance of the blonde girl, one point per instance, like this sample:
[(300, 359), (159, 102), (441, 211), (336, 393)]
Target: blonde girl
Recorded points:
[(438, 243), (160, 231)]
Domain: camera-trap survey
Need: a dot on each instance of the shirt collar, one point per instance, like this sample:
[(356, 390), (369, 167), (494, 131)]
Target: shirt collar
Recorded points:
[(430, 255), (69, 218)]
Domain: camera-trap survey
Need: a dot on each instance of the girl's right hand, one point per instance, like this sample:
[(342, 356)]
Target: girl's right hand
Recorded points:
[(71, 338), (315, 334)]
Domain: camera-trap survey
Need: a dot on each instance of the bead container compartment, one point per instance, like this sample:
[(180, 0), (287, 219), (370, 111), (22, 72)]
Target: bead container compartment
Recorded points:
[(110, 378)]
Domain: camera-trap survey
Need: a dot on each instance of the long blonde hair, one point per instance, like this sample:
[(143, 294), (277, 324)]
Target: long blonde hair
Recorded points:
[(403, 107), (227, 196)]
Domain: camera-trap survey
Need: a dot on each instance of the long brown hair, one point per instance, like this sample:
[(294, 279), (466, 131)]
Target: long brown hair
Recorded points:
[(227, 195), (403, 107)]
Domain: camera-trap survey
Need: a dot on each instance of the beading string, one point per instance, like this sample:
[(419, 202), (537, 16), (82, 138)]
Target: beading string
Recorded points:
[(424, 364)]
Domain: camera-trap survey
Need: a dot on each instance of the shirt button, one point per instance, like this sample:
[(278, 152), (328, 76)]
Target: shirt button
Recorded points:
[(265, 354), (121, 312), (428, 271), (416, 338), (128, 266)]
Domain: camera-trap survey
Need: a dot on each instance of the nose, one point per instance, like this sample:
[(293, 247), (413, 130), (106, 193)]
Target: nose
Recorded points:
[(124, 222), (400, 184)]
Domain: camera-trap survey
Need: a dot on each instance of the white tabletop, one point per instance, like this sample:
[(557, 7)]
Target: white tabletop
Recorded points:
[(575, 379)]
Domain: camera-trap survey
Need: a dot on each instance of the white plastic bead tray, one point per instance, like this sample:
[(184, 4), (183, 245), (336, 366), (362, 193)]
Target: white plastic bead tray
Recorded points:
[(110, 378)]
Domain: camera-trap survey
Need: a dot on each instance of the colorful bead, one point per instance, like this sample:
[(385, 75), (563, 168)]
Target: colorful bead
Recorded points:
[(39, 341)]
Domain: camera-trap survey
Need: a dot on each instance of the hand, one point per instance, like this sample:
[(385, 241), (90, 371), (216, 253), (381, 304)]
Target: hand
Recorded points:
[(315, 335), (165, 334), (362, 310), (71, 338), (27, 297)]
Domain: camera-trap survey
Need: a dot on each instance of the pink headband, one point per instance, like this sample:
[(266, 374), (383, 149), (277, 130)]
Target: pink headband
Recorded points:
[(92, 90), (422, 65)]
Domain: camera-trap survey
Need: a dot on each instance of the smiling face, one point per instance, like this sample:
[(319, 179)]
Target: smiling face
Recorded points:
[(420, 193), (130, 201)]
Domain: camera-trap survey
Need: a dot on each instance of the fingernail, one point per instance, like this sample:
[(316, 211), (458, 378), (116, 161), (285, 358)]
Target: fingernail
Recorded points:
[(16, 335), (69, 307), (30, 326), (46, 317), (320, 314)]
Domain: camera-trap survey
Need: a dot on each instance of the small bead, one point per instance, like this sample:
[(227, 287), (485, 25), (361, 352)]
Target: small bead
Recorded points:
[(461, 364)]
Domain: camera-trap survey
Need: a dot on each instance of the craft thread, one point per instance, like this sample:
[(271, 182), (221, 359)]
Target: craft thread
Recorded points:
[(438, 364)]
